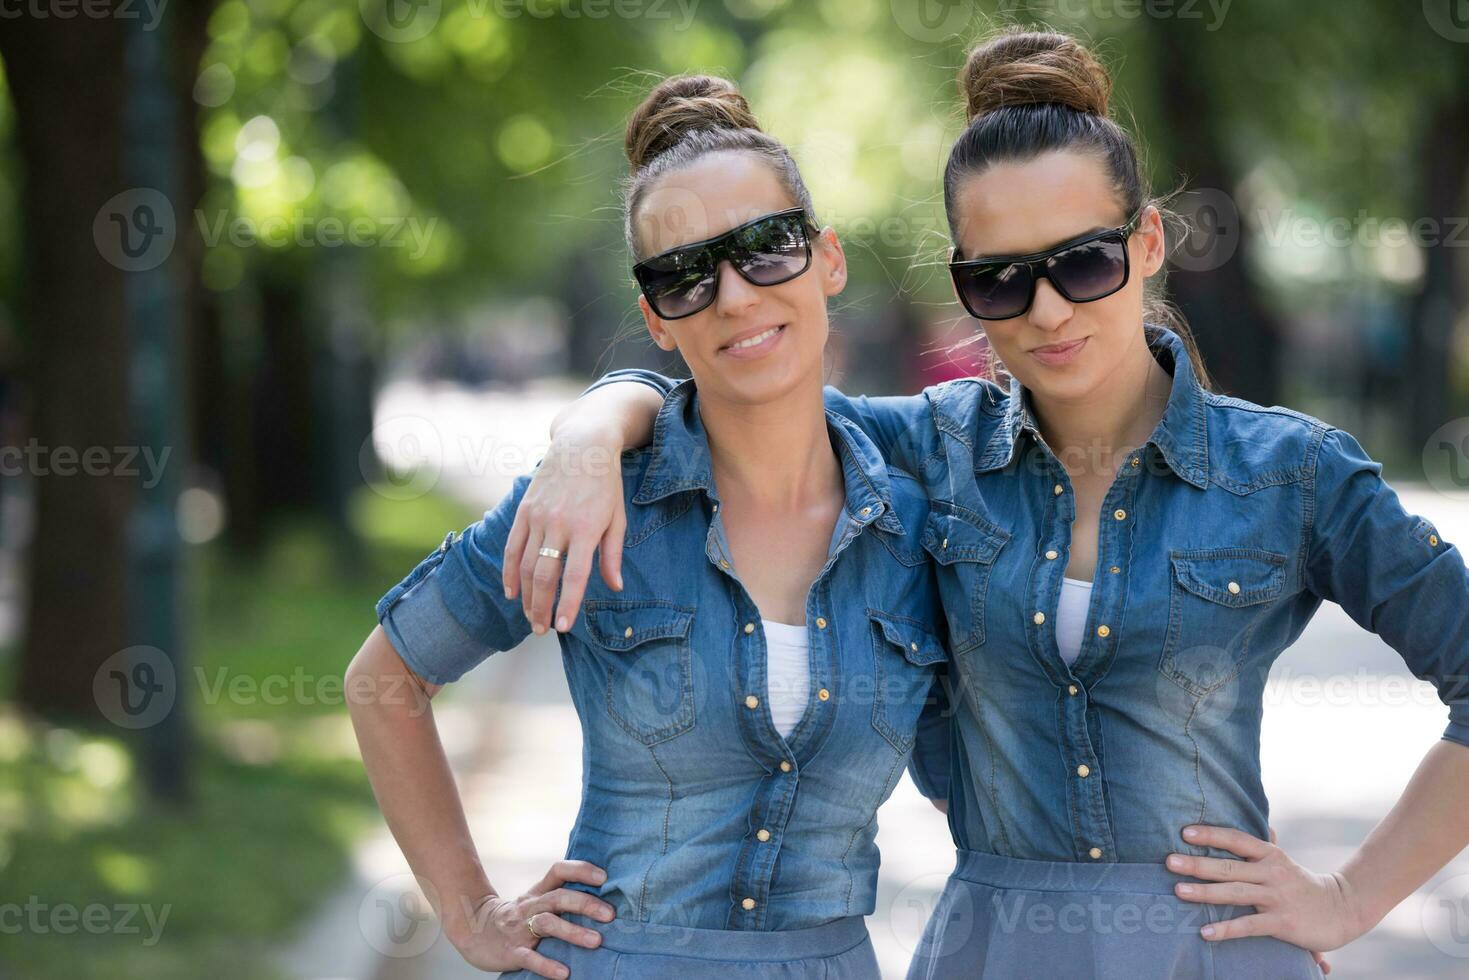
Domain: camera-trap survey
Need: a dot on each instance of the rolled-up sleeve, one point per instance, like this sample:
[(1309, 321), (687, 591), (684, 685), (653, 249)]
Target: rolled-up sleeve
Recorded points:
[(658, 382), (1391, 571), (450, 612)]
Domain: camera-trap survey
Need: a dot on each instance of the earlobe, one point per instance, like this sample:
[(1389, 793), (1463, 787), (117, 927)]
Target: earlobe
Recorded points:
[(655, 326)]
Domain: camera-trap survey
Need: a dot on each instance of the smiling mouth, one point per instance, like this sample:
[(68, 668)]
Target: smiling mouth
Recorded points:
[(756, 340)]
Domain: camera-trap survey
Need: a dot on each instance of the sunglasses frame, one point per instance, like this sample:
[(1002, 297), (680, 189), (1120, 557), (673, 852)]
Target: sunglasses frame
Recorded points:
[(1035, 264), (719, 247)]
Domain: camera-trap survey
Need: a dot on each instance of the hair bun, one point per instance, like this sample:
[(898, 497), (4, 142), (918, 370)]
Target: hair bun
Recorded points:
[(680, 105), (1033, 67)]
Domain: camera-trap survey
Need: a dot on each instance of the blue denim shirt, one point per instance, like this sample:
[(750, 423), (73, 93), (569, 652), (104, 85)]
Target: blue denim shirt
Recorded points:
[(1219, 539), (700, 812)]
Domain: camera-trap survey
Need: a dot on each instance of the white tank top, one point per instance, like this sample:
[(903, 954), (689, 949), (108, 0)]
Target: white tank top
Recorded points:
[(787, 673), (1076, 597)]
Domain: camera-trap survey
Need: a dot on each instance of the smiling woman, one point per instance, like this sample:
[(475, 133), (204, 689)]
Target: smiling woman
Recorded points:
[(745, 710)]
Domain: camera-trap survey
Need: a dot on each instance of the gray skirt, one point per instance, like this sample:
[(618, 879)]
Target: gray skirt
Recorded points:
[(839, 950), (1002, 917)]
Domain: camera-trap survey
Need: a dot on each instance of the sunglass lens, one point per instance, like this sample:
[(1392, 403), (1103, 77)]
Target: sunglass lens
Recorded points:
[(678, 283), (995, 292), (772, 251), (1090, 270)]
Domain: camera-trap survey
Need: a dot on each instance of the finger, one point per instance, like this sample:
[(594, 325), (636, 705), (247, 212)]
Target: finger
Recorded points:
[(577, 903), (544, 581), (611, 548), (1260, 924), (528, 560), (573, 582), (514, 550), (1217, 869), (568, 869), (541, 966), (1225, 893), (1321, 962), (551, 924), (1274, 840), (1227, 839)]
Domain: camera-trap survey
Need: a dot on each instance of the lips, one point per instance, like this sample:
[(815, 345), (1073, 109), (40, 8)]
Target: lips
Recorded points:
[(752, 338), (1057, 354)]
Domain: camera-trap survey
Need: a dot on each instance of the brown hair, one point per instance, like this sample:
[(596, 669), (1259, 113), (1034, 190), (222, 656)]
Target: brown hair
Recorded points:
[(686, 117), (1032, 92)]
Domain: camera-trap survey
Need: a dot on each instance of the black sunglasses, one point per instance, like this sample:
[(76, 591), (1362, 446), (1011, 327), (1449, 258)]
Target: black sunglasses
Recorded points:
[(765, 252), (1082, 270)]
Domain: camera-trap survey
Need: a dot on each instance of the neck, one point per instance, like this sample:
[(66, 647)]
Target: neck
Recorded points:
[(778, 454), (1089, 433)]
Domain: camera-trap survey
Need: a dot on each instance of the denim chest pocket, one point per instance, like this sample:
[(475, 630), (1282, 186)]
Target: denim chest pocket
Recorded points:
[(965, 546), (649, 663), (1216, 601), (905, 659)]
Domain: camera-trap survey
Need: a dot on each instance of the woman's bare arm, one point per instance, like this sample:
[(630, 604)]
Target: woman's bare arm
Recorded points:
[(415, 790)]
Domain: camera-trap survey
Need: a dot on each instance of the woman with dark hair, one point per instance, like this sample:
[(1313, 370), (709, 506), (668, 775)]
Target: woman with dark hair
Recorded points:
[(745, 709), (1122, 554)]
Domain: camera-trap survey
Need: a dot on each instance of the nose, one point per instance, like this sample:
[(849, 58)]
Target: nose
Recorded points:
[(1049, 310), (735, 295)]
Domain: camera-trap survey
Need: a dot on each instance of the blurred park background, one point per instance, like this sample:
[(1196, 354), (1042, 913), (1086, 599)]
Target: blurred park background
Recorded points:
[(289, 288)]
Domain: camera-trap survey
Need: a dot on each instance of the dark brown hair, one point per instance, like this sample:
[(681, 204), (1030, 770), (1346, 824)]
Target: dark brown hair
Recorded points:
[(686, 117), (1032, 92)]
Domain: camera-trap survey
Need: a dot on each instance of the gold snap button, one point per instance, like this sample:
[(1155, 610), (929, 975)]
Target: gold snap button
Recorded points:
[(749, 627), (820, 623), (748, 904), (627, 632), (1120, 514), (1058, 490), (945, 543), (1135, 461), (1071, 690), (1103, 630), (751, 701), (1234, 588), (785, 766), (865, 511), (1038, 618), (762, 834), (824, 694), (716, 508), (1095, 852), (1052, 555), (1083, 771), (723, 563), (1433, 540), (913, 647), (1115, 569)]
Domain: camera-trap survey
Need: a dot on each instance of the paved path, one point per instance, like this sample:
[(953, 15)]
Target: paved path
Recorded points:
[(1344, 728)]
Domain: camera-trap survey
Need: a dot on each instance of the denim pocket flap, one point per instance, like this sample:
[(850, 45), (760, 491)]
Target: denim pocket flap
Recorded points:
[(624, 624)]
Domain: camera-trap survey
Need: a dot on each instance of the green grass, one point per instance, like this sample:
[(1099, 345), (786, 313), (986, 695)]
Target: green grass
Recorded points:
[(280, 795)]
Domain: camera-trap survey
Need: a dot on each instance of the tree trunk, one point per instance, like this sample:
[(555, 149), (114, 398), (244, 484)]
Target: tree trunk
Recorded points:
[(62, 75)]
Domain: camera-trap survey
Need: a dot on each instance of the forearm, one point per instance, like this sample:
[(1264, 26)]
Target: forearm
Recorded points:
[(619, 413), (411, 779), (1426, 828)]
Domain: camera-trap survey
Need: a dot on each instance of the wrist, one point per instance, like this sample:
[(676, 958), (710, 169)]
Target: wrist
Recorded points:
[(467, 917), (590, 431), (1361, 910)]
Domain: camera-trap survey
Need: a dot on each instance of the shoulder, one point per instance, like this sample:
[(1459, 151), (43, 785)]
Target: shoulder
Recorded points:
[(1252, 445)]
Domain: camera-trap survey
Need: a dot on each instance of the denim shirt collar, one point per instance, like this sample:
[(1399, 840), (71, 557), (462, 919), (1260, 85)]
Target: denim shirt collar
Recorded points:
[(1181, 436), (681, 461)]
